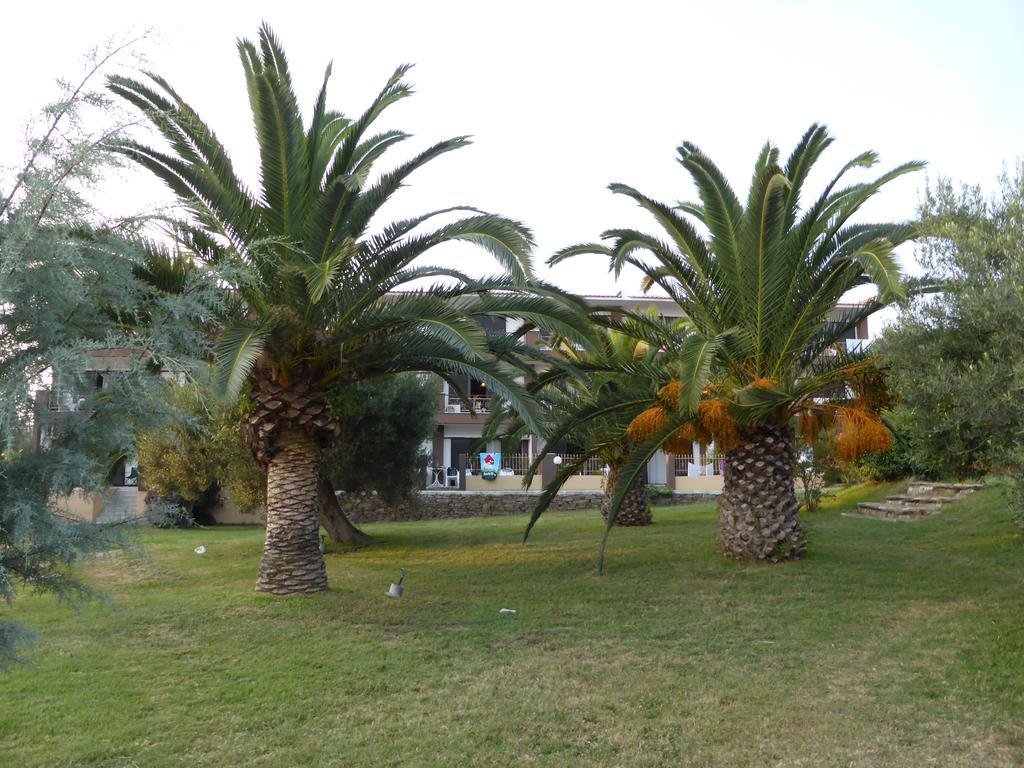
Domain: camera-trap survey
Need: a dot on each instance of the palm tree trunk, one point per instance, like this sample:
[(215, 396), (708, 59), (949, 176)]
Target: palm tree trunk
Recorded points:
[(339, 528), (759, 516), (292, 562), (636, 506)]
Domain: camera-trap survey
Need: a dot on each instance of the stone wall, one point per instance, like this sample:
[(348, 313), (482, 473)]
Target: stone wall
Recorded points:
[(436, 504)]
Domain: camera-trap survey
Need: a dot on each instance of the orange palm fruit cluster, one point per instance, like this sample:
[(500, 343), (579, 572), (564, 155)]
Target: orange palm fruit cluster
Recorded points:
[(682, 440), (809, 425), (713, 416), (646, 424), (861, 432), (712, 422), (668, 395)]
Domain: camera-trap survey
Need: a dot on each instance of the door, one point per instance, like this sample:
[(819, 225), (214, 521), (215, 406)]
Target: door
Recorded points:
[(656, 473), (460, 446)]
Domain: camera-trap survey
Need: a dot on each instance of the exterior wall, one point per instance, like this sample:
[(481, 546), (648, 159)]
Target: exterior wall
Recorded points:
[(584, 483), (443, 417), (227, 512), (502, 483), (464, 430), (661, 305), (714, 484), (81, 505), (437, 454), (90, 507)]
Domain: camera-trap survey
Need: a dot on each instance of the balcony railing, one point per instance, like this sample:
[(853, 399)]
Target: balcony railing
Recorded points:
[(511, 463), (477, 404), (517, 463), (65, 402), (708, 466), (593, 465)]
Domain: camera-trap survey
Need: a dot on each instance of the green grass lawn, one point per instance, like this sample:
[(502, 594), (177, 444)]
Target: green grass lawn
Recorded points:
[(891, 644)]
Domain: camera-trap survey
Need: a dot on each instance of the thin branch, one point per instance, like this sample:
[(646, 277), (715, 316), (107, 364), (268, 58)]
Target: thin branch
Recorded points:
[(30, 165)]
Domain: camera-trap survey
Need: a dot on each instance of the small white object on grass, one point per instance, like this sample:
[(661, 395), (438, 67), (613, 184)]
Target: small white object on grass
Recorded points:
[(507, 611), (397, 589), (200, 550)]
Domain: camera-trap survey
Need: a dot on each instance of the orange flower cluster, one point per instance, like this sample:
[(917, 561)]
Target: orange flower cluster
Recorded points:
[(861, 432)]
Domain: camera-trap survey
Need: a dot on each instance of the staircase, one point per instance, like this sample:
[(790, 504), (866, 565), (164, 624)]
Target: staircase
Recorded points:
[(119, 505), (922, 499)]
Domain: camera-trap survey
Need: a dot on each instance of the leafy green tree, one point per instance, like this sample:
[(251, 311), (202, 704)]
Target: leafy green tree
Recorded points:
[(760, 282), (190, 458), (956, 358), (385, 424), (70, 285), (326, 293)]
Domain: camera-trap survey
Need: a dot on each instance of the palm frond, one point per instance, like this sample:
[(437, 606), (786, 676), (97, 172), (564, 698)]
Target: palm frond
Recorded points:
[(236, 353)]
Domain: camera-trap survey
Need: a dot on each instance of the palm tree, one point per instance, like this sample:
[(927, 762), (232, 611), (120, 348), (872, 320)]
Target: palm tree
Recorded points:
[(592, 395), (607, 436), (175, 268), (322, 293), (618, 378), (760, 283)]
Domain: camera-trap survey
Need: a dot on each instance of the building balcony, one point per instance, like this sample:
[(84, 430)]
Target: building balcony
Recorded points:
[(477, 404)]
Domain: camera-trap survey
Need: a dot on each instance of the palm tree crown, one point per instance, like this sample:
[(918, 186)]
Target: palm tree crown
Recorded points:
[(322, 292), (760, 283), (319, 296)]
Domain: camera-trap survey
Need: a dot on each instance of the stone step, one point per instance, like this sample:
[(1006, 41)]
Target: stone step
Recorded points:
[(934, 501), (115, 516), (119, 505), (895, 511), (942, 490)]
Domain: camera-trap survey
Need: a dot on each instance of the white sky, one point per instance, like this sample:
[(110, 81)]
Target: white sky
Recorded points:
[(563, 98)]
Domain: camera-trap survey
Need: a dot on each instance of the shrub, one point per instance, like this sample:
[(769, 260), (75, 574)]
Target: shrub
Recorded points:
[(188, 460), (1015, 488), (384, 424), (884, 467)]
